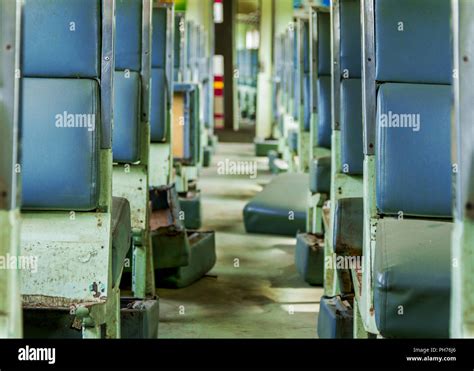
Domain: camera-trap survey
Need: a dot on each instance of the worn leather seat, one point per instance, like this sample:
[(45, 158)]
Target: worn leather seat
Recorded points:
[(126, 135), (335, 319), (425, 29), (159, 84), (61, 38), (412, 273), (324, 111), (60, 163), (127, 82), (60, 116), (413, 169), (352, 155), (320, 175), (280, 208)]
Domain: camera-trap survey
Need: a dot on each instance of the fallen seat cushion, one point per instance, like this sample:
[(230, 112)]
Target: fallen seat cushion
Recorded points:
[(202, 258), (169, 239), (309, 258), (190, 205), (320, 175), (139, 319), (412, 274), (335, 319), (280, 208), (121, 235)]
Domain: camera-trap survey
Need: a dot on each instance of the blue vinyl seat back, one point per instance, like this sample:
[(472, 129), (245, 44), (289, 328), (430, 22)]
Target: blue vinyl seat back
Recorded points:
[(128, 35), (127, 103), (191, 120), (60, 115), (413, 155), (419, 28), (127, 85), (324, 44), (324, 111), (350, 44), (351, 88), (324, 81), (159, 98), (60, 163), (159, 85), (160, 22), (414, 163), (61, 38), (352, 154)]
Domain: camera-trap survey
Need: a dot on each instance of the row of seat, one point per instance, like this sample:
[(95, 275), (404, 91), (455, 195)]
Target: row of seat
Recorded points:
[(380, 151), (88, 123)]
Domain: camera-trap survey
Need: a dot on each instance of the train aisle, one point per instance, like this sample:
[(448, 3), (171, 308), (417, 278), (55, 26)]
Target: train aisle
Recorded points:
[(254, 290)]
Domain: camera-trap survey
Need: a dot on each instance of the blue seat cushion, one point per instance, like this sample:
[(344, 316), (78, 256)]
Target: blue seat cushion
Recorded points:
[(126, 140), (60, 143), (350, 38), (320, 175), (413, 55), (275, 210), (348, 226), (61, 38), (412, 273), (413, 163), (159, 22), (324, 112), (159, 106), (309, 258), (128, 37), (324, 44), (202, 258), (351, 127), (335, 319)]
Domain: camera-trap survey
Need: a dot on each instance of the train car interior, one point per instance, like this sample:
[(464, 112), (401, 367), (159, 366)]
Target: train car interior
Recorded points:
[(236, 169)]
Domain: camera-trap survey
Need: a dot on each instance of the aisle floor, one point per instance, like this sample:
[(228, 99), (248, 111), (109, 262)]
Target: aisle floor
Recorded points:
[(254, 290)]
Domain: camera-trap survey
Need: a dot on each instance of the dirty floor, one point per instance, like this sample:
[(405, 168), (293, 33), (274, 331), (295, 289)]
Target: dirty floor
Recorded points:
[(254, 290)]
